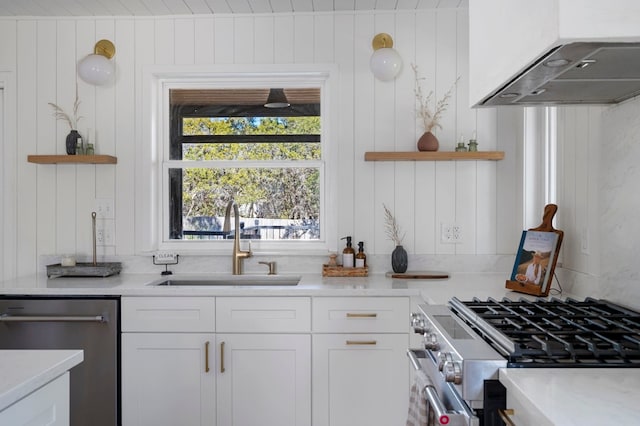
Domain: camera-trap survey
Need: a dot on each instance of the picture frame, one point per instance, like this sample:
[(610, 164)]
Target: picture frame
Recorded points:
[(536, 258)]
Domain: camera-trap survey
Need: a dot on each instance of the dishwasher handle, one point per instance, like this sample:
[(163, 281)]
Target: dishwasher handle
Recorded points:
[(52, 318)]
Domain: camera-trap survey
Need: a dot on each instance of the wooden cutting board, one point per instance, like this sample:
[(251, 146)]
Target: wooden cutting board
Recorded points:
[(419, 275)]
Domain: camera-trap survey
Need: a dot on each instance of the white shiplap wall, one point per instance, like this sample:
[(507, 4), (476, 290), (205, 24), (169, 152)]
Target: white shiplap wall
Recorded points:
[(54, 202)]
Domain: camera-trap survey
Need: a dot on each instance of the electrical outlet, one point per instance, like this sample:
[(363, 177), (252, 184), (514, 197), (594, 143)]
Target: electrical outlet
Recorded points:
[(104, 233), (104, 208), (451, 233), (584, 241)]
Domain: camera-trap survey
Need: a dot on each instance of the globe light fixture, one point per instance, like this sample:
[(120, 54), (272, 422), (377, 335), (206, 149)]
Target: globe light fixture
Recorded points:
[(97, 68), (385, 62)]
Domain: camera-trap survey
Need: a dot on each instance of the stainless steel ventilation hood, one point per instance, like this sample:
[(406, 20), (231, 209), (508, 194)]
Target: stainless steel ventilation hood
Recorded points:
[(575, 73)]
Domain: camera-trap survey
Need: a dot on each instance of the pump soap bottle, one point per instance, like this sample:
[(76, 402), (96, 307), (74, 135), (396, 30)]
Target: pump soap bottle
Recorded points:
[(348, 254), (361, 258)]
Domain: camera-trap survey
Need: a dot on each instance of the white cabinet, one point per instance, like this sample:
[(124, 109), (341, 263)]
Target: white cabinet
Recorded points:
[(168, 361), (361, 376), (47, 406), (263, 379)]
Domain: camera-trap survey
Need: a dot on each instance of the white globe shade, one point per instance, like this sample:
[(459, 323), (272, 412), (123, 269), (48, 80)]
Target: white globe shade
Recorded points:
[(96, 69), (385, 63)]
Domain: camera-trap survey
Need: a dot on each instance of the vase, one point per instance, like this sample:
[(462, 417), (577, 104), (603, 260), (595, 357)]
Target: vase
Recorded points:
[(399, 260), (72, 140), (428, 142)]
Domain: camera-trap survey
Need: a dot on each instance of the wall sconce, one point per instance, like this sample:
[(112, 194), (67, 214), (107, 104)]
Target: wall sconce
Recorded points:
[(277, 99), (385, 62), (97, 68)]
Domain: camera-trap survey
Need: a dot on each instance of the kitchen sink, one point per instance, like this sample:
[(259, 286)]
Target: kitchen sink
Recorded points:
[(230, 280)]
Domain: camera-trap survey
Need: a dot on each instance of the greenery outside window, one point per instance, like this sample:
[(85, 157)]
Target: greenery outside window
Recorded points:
[(225, 145)]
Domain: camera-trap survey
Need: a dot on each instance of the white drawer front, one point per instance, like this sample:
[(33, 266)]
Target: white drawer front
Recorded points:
[(187, 314), (263, 314), (361, 314)]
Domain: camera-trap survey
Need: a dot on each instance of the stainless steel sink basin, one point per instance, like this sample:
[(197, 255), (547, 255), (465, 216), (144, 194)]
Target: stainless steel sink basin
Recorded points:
[(230, 280)]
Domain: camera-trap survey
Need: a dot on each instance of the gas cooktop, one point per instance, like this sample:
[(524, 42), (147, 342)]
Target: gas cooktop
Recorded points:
[(556, 333)]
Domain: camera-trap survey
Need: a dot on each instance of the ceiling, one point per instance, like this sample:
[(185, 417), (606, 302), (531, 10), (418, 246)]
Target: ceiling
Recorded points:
[(207, 7), (240, 96)]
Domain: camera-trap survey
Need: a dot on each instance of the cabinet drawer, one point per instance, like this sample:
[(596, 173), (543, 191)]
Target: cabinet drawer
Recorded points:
[(263, 314), (361, 314), (187, 314)]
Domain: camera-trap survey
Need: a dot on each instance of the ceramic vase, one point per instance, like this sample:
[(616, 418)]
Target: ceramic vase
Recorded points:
[(72, 140), (399, 260), (428, 142)]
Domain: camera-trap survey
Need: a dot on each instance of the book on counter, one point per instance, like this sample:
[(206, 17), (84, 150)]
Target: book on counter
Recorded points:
[(534, 259)]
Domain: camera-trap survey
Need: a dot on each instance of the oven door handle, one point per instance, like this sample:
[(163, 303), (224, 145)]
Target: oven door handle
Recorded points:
[(459, 415)]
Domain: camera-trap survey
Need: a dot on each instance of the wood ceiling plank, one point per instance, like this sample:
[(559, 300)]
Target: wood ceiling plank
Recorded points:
[(198, 7), (281, 6)]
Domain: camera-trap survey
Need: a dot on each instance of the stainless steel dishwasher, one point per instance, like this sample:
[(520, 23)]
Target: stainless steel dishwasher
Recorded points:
[(88, 323)]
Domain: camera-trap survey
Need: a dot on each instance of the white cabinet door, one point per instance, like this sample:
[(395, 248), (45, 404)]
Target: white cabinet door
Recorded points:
[(165, 379), (264, 380), (47, 406), (360, 379)]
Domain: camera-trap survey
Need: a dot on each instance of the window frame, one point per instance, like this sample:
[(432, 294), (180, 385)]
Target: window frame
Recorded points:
[(152, 207)]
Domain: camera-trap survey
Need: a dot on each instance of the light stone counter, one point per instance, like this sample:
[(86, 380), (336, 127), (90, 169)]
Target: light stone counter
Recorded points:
[(577, 396), (463, 285), (24, 371)]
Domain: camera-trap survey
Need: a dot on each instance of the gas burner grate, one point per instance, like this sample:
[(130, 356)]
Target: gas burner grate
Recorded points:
[(555, 332)]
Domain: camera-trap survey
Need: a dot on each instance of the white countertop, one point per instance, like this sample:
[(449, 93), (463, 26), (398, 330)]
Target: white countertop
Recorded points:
[(578, 396), (463, 285), (24, 371)]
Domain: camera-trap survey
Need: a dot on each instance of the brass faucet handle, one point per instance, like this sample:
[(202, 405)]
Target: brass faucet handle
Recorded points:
[(271, 265)]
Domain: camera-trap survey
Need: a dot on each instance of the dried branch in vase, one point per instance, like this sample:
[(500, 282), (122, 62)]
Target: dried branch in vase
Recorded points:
[(430, 120), (391, 227), (61, 115)]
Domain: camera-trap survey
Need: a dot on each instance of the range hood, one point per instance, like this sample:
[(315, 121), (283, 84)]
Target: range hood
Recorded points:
[(575, 73), (553, 52)]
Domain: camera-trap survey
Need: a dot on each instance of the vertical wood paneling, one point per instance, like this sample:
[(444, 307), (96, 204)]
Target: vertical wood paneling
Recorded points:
[(263, 39), (203, 41), (373, 115), (125, 140), (425, 229), (243, 36), (46, 139), (27, 200), (592, 217), (404, 132)]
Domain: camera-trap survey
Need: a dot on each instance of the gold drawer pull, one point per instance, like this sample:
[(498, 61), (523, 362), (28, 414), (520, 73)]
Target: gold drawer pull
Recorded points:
[(206, 356), (505, 415), (365, 315), (361, 342), (222, 357)]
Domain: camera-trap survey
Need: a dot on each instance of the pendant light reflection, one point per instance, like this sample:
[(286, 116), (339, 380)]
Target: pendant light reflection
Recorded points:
[(97, 68), (385, 62), (277, 99)]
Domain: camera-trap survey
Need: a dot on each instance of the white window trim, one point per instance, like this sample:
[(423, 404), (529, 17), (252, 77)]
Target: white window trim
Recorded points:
[(151, 152)]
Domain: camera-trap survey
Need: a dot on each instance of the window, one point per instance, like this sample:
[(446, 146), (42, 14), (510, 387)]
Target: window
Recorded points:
[(227, 146), (181, 139)]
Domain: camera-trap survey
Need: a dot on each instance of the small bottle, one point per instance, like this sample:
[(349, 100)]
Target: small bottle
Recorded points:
[(461, 147), (348, 254), (79, 146), (473, 143), (361, 258), (89, 150)]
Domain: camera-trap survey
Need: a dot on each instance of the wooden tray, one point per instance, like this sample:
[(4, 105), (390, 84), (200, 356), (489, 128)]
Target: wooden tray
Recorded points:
[(339, 271), (84, 270)]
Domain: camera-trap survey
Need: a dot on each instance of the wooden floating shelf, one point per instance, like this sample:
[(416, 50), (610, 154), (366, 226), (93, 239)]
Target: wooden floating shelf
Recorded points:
[(433, 156), (72, 159)]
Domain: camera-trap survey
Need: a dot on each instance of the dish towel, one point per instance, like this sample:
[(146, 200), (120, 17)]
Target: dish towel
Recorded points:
[(419, 413)]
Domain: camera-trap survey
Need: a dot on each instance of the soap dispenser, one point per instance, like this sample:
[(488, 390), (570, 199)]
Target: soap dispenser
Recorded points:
[(348, 254), (361, 258)]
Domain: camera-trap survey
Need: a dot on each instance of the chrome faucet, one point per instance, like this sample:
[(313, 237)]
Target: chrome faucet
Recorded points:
[(238, 254)]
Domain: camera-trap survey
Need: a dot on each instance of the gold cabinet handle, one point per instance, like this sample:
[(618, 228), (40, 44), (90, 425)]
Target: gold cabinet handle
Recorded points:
[(364, 315), (206, 356), (222, 357), (505, 415), (361, 342)]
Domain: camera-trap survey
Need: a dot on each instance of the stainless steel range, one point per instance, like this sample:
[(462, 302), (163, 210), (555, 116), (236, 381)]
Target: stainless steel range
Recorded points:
[(466, 343)]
